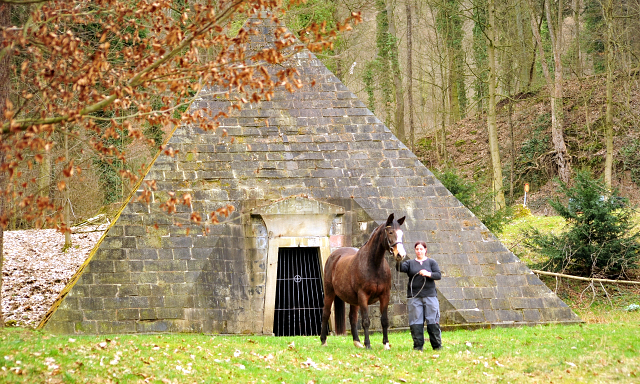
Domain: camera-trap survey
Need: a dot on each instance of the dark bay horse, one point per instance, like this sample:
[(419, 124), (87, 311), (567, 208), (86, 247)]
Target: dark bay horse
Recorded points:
[(360, 278)]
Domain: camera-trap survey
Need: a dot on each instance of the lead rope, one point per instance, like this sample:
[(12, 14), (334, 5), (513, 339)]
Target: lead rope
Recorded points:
[(395, 286), (390, 249), (424, 281)]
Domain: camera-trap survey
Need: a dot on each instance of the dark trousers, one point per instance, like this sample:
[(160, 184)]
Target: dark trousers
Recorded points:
[(421, 310)]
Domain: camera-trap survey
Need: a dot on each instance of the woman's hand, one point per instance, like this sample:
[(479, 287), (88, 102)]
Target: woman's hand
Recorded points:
[(424, 272)]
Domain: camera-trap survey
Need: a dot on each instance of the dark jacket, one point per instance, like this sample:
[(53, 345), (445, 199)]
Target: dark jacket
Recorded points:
[(420, 286)]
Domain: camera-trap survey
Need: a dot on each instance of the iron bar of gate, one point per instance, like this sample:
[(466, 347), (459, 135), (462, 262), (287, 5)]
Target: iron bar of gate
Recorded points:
[(307, 302), (311, 298), (295, 325)]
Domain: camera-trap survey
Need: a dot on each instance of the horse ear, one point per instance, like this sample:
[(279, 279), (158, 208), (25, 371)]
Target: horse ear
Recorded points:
[(401, 220), (390, 220)]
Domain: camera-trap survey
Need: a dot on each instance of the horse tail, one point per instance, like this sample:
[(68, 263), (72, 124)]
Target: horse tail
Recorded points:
[(341, 324)]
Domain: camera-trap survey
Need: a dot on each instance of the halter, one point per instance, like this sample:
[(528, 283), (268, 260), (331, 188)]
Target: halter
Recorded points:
[(389, 243)]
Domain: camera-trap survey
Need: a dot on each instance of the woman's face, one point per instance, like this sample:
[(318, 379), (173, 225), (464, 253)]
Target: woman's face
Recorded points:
[(421, 251)]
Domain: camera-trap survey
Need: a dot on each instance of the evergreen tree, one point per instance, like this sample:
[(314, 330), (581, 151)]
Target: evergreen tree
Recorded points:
[(600, 238)]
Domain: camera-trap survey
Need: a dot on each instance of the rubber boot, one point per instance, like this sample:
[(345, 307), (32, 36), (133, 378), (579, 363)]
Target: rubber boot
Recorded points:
[(417, 333), (434, 336)]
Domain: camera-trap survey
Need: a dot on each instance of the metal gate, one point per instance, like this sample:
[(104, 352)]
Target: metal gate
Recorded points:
[(299, 292)]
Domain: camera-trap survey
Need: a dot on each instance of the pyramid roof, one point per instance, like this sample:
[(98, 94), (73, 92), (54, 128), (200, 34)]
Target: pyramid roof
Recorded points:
[(319, 151)]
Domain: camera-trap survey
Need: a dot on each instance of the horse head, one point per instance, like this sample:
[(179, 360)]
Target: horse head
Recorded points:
[(394, 237)]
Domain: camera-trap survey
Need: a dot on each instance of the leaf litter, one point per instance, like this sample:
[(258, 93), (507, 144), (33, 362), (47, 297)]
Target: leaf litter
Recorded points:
[(35, 270)]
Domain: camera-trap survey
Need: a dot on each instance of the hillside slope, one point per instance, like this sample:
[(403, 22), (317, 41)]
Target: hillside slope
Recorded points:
[(467, 142)]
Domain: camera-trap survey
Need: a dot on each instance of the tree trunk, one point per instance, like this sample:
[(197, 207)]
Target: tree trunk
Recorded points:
[(459, 63), (557, 114), (454, 101), (383, 71), (576, 23), (492, 125), (44, 179), (408, 11), (408, 6), (513, 153), (509, 79), (607, 11), (555, 92), (532, 67), (523, 73), (397, 79), (480, 54), (67, 203), (443, 120), (449, 27), (5, 84)]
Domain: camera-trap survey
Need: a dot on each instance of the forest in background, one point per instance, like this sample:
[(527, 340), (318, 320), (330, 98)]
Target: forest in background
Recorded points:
[(546, 86)]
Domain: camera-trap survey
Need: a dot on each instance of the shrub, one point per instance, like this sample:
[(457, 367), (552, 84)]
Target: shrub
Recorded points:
[(630, 156), (600, 237), (480, 202), (520, 211)]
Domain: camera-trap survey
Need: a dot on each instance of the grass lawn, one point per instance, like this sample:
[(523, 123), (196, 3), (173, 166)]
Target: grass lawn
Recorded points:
[(512, 236), (594, 352)]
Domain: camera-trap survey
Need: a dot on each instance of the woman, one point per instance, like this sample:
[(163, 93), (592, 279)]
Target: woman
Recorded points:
[(422, 299)]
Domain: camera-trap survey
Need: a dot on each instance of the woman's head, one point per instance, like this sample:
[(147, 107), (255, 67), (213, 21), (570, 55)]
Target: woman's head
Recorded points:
[(421, 250)]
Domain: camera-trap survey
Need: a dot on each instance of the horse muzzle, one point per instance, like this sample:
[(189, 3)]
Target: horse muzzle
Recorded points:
[(398, 251)]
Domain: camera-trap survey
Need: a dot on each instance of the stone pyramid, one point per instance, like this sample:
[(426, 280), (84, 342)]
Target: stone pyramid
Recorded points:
[(309, 170)]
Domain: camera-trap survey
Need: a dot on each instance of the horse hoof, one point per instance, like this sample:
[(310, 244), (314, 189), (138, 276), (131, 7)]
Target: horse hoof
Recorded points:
[(358, 344), (368, 347), (387, 347), (324, 344)]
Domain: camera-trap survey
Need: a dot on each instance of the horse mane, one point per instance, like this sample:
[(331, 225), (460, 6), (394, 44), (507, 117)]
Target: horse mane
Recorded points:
[(375, 231)]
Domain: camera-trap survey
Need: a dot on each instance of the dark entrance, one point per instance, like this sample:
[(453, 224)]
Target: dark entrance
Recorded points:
[(299, 293)]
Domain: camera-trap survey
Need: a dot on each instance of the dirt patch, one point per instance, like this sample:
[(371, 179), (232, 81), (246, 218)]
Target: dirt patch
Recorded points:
[(36, 270)]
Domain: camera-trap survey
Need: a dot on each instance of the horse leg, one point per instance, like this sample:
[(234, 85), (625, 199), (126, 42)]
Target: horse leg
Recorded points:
[(363, 301), (384, 319), (326, 312), (353, 319), (366, 323)]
